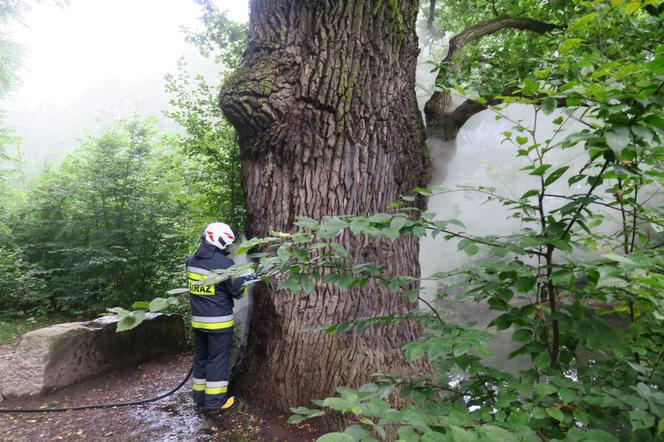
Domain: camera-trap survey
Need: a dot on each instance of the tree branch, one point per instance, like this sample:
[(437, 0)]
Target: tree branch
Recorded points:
[(430, 19), (442, 120), (492, 26), (446, 125), (594, 185)]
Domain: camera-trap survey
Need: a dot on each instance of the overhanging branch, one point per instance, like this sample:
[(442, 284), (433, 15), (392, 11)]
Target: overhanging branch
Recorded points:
[(447, 125), (492, 26), (432, 13), (442, 120)]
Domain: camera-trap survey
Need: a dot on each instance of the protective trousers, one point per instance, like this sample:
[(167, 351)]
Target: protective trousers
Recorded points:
[(211, 367)]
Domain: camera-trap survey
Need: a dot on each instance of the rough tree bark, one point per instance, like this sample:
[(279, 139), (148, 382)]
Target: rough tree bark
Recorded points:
[(326, 115)]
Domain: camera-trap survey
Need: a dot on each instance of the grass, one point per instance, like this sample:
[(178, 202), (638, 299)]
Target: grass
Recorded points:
[(12, 328)]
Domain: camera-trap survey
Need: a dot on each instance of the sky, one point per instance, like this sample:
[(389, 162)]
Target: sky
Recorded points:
[(95, 60)]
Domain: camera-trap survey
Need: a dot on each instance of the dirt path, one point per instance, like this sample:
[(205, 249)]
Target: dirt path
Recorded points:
[(171, 419)]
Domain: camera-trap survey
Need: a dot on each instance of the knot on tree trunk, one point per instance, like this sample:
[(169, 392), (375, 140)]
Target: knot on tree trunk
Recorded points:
[(259, 97)]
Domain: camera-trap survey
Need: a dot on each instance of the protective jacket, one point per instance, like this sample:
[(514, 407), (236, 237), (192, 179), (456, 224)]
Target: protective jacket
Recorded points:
[(211, 305)]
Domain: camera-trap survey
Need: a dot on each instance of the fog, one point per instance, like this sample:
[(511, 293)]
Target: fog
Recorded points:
[(92, 61), (479, 156)]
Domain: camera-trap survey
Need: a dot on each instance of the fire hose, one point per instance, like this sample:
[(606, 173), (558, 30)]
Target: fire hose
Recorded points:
[(94, 406), (143, 401)]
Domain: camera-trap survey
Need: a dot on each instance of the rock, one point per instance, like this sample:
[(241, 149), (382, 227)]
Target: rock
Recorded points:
[(62, 354)]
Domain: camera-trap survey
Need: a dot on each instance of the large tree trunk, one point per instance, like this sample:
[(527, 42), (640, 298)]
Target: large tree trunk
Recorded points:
[(325, 110)]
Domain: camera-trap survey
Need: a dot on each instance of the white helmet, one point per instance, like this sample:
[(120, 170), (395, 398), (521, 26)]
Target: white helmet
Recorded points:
[(219, 235)]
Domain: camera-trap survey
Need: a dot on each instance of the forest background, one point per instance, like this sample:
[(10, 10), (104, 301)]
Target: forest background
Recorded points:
[(579, 284), (111, 222)]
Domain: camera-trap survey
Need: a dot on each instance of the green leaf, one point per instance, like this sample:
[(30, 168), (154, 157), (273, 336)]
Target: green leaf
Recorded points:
[(398, 222), (542, 361), (297, 418), (638, 368), (549, 105), (380, 218), (461, 349), (546, 389), (540, 170), (522, 140), (307, 284), (634, 402), (619, 258), (359, 226), (306, 222), (497, 303), (657, 65), (556, 414), (522, 335), (290, 284), (131, 320), (284, 253), (569, 44), (562, 244), (581, 416), (617, 138), (331, 227), (407, 434), (345, 281), (357, 432), (567, 395), (502, 322), (632, 7), (456, 222), (461, 435), (530, 87), (497, 434), (585, 19), (141, 305), (340, 249), (414, 350), (302, 413), (471, 249), (118, 311), (655, 120), (526, 283), (575, 179), (599, 436), (543, 73), (158, 304), (555, 175), (422, 191), (336, 403), (530, 193), (641, 420)]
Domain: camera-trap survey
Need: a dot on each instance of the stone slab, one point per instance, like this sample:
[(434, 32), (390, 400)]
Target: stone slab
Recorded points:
[(60, 355)]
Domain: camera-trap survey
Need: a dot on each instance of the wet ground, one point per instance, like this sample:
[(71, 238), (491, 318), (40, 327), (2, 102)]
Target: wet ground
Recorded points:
[(171, 419)]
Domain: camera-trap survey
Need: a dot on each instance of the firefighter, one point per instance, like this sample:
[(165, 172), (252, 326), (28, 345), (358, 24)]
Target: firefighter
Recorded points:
[(212, 318)]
